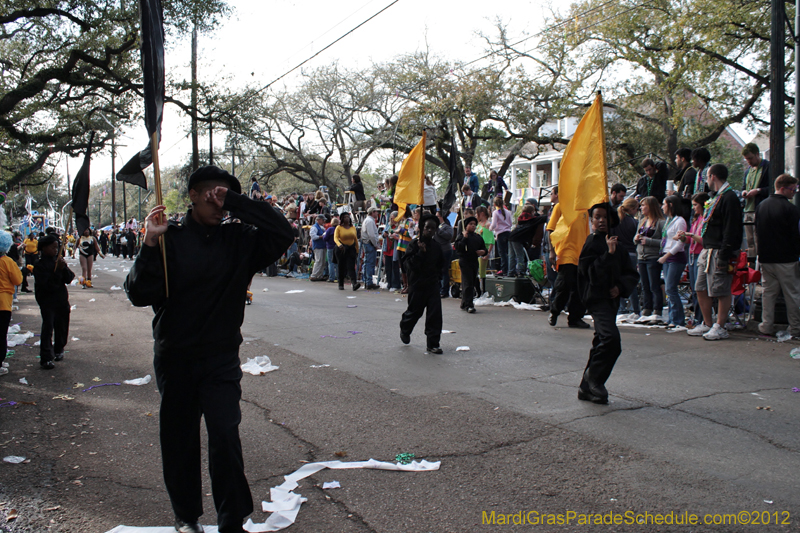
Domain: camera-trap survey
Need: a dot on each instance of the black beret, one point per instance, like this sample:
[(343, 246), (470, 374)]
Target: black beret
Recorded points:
[(212, 173)]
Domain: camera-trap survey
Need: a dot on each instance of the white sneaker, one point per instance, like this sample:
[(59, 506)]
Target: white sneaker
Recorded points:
[(3, 371), (716, 333), (698, 330), (5, 364)]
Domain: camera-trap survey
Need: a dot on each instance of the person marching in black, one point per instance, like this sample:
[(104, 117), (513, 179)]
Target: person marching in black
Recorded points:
[(423, 262), (469, 246), (197, 331), (51, 276), (605, 274)]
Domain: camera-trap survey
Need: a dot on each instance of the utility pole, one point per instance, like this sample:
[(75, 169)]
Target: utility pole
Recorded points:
[(195, 146), (113, 179), (777, 134), (796, 97), (211, 140), (124, 204)]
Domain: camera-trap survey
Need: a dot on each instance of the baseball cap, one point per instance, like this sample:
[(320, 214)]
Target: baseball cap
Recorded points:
[(212, 173)]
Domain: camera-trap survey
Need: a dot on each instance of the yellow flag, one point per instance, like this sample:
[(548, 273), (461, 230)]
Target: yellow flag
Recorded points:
[(583, 179), (411, 179)]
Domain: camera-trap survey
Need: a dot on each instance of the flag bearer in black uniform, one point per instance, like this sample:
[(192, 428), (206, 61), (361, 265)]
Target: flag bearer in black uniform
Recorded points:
[(605, 274), (197, 336), (423, 262), (51, 276), (469, 246)]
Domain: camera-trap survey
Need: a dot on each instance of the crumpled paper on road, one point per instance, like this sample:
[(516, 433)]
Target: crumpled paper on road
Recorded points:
[(139, 381), (15, 339), (285, 504), (258, 366)]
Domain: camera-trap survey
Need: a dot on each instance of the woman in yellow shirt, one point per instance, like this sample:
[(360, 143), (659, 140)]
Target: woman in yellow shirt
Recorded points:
[(10, 277), (31, 248), (346, 239)]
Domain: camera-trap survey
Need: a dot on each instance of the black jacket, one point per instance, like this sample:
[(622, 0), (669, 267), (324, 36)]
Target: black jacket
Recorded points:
[(764, 183), (424, 268), (657, 186), (626, 231), (468, 247), (526, 230), (208, 270), (776, 230), (51, 284), (724, 229), (600, 271)]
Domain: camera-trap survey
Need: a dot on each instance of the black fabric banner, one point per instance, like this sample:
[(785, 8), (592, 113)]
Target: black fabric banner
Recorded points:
[(153, 63), (132, 172), (80, 191), (452, 187)]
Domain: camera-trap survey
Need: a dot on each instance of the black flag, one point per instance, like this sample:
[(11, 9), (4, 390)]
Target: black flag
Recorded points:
[(452, 187), (80, 192), (132, 172), (153, 79)]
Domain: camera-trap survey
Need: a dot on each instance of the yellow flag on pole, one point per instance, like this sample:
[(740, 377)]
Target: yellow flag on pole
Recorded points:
[(583, 178), (582, 183), (411, 178)]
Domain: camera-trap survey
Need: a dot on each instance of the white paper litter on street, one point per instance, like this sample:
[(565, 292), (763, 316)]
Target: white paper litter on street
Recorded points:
[(92, 300), (319, 366), (37, 343), (783, 336), (75, 339), (258, 366), (115, 288), (351, 297), (285, 504), (489, 300), (13, 329), (13, 459), (295, 291), (24, 381), (331, 485), (445, 331), (139, 381), (74, 307), (462, 349), (18, 338)]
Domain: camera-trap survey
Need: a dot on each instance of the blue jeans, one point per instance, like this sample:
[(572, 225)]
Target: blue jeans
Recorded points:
[(333, 268), (633, 299), (650, 274), (698, 314), (502, 251), (369, 263), (397, 279), (672, 277), (517, 261)]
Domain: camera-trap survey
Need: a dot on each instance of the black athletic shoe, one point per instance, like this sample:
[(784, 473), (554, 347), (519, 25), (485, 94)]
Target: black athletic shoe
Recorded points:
[(580, 324), (437, 350), (405, 337), (356, 286), (59, 356), (47, 365), (553, 319)]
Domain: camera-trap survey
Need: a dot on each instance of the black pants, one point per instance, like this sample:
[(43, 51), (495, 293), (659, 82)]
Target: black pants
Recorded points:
[(5, 320), (565, 294), (347, 264), (55, 329), (469, 273), (210, 388), (30, 259), (606, 345), (424, 300)]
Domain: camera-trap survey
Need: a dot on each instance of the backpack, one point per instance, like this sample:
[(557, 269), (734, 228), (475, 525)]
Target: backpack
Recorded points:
[(536, 270)]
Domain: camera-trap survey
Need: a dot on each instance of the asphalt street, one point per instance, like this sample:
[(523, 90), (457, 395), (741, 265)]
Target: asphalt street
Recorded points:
[(697, 427)]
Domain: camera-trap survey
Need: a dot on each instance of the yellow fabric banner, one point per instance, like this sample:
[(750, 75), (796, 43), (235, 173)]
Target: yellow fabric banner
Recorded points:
[(411, 178), (583, 178), (582, 183)]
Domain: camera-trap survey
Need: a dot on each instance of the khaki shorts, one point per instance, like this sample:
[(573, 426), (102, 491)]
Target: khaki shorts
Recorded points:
[(716, 284)]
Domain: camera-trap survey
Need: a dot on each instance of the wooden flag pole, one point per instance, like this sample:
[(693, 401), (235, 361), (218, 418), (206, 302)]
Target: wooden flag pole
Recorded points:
[(159, 201), (68, 230)]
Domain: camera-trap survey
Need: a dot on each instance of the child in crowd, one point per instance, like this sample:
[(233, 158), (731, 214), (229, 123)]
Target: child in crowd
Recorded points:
[(10, 278), (52, 275)]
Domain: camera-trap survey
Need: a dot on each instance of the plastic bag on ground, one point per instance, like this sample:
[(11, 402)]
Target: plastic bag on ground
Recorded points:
[(258, 366)]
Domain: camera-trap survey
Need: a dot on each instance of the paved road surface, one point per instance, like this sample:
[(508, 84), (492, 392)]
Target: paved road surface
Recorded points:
[(683, 432)]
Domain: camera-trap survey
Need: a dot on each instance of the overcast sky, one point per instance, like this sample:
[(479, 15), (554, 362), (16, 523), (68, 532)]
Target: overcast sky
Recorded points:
[(263, 40)]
